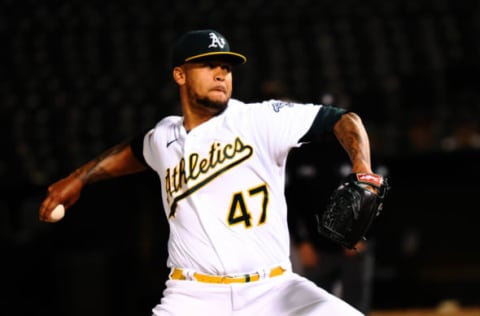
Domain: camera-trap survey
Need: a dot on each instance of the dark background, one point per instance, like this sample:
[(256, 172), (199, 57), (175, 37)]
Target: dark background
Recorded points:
[(76, 77)]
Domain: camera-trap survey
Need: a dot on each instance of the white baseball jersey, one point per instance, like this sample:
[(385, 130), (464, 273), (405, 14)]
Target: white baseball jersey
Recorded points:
[(223, 185)]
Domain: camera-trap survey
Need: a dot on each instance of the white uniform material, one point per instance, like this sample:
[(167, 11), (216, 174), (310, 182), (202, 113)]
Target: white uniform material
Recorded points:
[(223, 193)]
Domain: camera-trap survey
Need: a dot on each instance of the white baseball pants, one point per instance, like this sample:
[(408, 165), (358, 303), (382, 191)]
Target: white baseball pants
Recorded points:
[(287, 295)]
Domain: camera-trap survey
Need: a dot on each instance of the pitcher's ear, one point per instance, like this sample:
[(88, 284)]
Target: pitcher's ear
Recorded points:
[(179, 75)]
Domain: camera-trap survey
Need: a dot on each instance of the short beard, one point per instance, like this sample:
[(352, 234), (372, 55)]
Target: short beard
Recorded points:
[(217, 106)]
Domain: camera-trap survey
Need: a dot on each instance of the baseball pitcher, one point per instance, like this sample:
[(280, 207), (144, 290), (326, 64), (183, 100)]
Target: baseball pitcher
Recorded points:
[(222, 171)]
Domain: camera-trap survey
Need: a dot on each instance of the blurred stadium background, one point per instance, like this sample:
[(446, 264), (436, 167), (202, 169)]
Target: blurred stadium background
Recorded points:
[(78, 76)]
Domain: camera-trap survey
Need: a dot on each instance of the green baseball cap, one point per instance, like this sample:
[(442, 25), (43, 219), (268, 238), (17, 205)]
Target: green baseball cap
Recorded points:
[(204, 44)]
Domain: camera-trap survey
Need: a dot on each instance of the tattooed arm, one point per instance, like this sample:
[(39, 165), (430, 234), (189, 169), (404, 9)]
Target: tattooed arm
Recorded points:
[(117, 161), (353, 137)]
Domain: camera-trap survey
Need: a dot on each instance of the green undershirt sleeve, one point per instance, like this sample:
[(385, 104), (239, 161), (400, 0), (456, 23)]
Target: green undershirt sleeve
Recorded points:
[(323, 123), (136, 145)]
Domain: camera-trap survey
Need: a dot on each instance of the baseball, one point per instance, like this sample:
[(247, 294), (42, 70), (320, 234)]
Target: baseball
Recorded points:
[(58, 213)]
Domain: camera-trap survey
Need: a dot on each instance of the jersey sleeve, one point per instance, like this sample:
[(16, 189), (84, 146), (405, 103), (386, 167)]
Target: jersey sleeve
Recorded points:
[(136, 144), (155, 140), (150, 153), (142, 145), (286, 125), (281, 124)]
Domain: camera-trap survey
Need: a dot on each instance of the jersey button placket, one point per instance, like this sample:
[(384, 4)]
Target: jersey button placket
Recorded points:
[(187, 151)]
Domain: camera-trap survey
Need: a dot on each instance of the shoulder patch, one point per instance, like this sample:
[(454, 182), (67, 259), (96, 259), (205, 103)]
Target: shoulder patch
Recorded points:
[(277, 106)]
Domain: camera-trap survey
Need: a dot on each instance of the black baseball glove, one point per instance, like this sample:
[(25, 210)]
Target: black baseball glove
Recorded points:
[(352, 208)]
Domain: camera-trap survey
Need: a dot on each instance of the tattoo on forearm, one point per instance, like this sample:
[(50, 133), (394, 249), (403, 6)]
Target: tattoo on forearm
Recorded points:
[(94, 170), (353, 146), (354, 140)]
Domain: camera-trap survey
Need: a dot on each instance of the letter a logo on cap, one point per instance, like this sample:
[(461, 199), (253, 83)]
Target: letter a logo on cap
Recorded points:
[(216, 41)]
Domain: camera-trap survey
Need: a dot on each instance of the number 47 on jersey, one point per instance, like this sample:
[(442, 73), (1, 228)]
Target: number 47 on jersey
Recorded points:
[(239, 210)]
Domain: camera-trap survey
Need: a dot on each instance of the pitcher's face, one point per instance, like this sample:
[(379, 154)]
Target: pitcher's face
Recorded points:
[(208, 84)]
